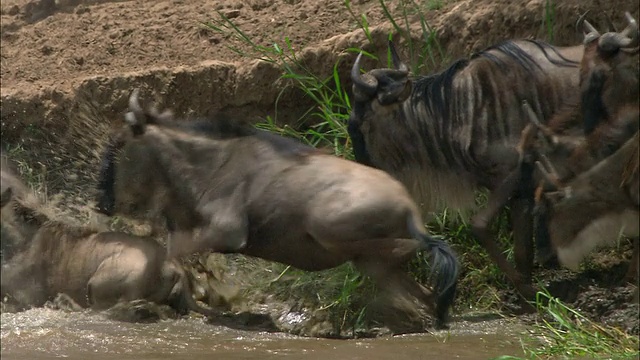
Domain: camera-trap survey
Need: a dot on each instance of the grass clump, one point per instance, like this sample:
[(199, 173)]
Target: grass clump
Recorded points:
[(565, 333), (331, 105)]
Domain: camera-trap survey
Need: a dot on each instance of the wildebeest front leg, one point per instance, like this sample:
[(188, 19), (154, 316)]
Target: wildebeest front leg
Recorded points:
[(521, 205), (634, 265), (522, 225), (480, 225), (226, 230)]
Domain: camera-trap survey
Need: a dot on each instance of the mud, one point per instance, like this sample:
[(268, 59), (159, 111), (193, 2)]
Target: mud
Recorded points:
[(68, 66)]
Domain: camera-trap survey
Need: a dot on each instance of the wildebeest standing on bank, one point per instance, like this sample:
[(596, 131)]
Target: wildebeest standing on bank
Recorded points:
[(596, 207), (449, 134), (590, 166), (95, 269), (228, 187)]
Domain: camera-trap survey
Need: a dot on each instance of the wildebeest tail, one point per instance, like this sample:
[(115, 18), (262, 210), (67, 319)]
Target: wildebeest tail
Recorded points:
[(444, 267)]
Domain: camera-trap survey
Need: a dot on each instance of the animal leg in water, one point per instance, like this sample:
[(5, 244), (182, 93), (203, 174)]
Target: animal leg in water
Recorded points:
[(64, 302), (480, 224), (393, 280)]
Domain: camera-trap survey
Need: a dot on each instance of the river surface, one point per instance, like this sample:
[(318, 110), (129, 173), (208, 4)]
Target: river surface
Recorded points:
[(47, 334)]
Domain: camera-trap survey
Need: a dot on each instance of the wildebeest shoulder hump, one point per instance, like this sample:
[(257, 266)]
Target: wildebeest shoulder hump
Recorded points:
[(223, 127)]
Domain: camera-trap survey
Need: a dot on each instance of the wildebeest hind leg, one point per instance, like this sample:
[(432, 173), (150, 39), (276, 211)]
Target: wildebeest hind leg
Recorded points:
[(393, 279)]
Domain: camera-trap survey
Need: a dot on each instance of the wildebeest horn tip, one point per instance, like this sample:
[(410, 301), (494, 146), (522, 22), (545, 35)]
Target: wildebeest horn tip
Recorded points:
[(130, 118), (395, 58), (134, 102), (358, 82)]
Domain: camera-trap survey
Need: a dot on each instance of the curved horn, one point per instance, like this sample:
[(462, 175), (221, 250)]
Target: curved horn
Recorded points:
[(632, 29), (134, 102), (549, 173), (590, 32), (367, 87), (580, 22), (397, 63), (130, 118), (135, 117), (626, 38), (613, 41)]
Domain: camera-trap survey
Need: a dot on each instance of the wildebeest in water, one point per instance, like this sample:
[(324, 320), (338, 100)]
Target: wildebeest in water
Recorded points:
[(95, 269), (449, 134), (227, 187)]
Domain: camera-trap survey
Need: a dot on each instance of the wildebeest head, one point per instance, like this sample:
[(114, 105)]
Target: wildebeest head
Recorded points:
[(607, 114), (609, 72), (594, 207), (127, 157), (379, 93)]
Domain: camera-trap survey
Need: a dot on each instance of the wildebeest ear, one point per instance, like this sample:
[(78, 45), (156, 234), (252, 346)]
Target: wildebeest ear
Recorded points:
[(589, 31), (136, 117), (536, 131), (6, 196), (549, 173), (555, 197)]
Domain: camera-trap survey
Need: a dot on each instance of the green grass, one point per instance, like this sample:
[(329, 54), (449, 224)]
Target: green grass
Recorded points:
[(549, 19), (564, 333)]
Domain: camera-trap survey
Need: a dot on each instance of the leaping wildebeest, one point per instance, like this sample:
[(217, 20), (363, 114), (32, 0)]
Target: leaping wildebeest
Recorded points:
[(95, 269), (447, 135), (224, 186)]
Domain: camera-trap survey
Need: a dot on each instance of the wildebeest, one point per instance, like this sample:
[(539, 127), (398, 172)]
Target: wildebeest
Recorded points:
[(596, 206), (95, 269), (225, 186), (449, 134), (589, 157)]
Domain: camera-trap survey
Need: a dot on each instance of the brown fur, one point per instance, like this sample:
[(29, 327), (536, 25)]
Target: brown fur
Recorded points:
[(595, 177), (592, 208), (456, 132), (271, 197), (95, 269)]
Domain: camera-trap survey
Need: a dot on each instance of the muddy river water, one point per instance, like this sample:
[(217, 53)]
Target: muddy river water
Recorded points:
[(47, 334)]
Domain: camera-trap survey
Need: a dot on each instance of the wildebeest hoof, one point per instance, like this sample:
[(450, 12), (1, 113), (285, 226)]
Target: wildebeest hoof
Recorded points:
[(548, 260)]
